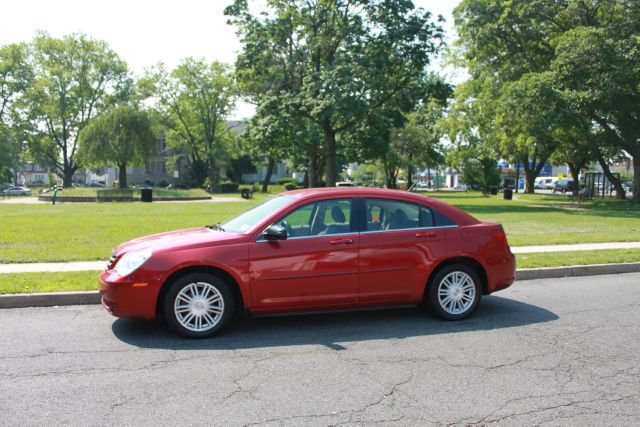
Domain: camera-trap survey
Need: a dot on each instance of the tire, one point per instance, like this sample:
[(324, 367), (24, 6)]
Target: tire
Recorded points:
[(454, 292), (198, 305)]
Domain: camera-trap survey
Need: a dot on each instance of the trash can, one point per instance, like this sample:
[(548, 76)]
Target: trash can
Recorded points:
[(146, 195), (508, 194), (245, 193), (494, 190)]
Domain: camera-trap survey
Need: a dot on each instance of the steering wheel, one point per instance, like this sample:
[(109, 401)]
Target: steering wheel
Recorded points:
[(287, 227)]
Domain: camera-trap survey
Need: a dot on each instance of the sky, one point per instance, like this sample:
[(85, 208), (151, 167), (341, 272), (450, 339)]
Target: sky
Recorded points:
[(145, 32)]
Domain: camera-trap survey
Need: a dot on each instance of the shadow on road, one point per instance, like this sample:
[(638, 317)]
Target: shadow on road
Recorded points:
[(331, 329)]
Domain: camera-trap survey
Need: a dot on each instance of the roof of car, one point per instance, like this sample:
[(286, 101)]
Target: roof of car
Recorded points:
[(459, 216)]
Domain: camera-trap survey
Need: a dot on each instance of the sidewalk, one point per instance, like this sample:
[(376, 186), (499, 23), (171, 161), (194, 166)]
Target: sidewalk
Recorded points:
[(54, 267)]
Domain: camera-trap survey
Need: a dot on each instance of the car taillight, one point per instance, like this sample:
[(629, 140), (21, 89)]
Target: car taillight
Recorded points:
[(500, 235)]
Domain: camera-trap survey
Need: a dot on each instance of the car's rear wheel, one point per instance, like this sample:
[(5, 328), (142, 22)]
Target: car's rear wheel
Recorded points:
[(454, 292), (198, 305)]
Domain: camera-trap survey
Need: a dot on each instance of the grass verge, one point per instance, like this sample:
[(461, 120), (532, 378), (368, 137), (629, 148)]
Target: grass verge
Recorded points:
[(561, 259), (27, 283)]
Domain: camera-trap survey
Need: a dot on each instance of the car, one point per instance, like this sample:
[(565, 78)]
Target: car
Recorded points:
[(309, 250), (563, 185), (17, 191), (96, 184), (544, 183)]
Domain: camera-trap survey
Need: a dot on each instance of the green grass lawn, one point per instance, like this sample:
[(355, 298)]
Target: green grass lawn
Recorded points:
[(89, 231), (26, 283), (558, 259)]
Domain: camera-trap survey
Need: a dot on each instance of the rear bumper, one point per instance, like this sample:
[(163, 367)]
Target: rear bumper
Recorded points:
[(503, 273)]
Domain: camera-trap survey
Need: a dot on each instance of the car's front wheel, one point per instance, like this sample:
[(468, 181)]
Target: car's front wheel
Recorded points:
[(454, 292), (198, 305)]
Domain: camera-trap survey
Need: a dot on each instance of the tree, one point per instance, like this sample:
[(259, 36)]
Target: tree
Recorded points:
[(75, 78), (477, 165), (507, 48), (121, 137), (197, 98), (328, 61), (15, 76), (598, 72)]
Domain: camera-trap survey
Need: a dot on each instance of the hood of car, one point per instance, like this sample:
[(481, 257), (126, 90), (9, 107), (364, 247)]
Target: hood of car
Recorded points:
[(179, 239)]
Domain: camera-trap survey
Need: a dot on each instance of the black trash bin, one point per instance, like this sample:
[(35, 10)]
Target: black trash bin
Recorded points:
[(146, 195), (245, 193), (494, 190), (508, 194)]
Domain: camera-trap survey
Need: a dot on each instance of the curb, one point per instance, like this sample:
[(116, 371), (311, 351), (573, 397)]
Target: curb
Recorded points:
[(577, 271), (51, 299)]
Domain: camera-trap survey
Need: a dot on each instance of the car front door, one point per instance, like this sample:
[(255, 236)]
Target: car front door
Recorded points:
[(315, 267), (398, 249)]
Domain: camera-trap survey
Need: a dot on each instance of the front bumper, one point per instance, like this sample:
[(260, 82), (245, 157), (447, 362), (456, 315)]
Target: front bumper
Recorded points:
[(130, 296)]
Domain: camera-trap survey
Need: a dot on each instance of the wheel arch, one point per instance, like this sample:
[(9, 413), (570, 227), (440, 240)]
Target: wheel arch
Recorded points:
[(218, 272), (464, 260)]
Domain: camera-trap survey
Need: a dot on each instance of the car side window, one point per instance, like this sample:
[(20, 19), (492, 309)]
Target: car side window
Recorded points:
[(386, 214), (319, 218)]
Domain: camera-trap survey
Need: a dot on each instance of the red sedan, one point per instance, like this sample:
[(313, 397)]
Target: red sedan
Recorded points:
[(310, 250)]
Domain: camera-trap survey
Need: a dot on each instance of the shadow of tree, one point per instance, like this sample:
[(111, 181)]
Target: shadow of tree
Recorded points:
[(332, 328)]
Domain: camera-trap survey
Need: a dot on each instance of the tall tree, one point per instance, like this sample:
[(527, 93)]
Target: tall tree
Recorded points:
[(121, 137), (76, 77), (197, 98), (329, 62), (15, 76)]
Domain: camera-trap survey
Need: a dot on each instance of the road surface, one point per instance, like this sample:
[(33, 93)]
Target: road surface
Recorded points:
[(555, 352)]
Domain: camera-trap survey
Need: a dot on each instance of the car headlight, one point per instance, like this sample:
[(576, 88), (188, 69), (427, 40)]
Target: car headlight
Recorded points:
[(131, 262)]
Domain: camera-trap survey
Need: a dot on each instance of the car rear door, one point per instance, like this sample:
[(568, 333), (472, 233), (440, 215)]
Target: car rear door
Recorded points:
[(398, 248)]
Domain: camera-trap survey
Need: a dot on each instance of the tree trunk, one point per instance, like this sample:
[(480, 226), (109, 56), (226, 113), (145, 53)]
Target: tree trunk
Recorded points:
[(530, 179), (409, 176), (122, 176), (636, 178), (315, 169), (575, 172), (67, 177), (267, 176), (620, 193), (214, 178), (518, 178), (330, 155)]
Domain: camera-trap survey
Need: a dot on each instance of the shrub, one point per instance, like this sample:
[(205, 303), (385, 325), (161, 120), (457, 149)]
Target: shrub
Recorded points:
[(286, 180), (290, 187), (228, 187)]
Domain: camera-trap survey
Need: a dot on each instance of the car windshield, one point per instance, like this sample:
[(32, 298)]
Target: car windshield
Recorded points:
[(247, 220)]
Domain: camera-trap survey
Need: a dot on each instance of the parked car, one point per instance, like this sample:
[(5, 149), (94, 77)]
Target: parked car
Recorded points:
[(563, 185), (96, 184), (17, 191), (311, 249), (544, 183)]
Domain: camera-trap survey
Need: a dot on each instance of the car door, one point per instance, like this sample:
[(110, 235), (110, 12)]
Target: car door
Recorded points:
[(315, 267), (398, 249)]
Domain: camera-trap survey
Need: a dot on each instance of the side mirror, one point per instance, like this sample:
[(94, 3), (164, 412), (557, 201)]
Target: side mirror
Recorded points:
[(275, 232)]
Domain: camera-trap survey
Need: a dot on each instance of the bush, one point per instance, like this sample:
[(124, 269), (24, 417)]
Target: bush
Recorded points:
[(163, 184), (114, 195), (286, 180), (290, 187), (228, 187)]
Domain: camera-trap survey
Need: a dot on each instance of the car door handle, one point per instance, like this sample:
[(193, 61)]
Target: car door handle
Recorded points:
[(341, 242), (425, 234)]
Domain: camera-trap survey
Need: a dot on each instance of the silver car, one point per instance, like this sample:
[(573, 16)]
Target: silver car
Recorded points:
[(17, 191)]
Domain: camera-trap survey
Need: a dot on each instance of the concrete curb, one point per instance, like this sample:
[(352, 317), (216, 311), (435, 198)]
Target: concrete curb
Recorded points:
[(51, 299), (576, 271)]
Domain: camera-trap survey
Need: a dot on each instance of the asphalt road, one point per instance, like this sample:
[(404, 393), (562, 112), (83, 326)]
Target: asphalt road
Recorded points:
[(555, 351)]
